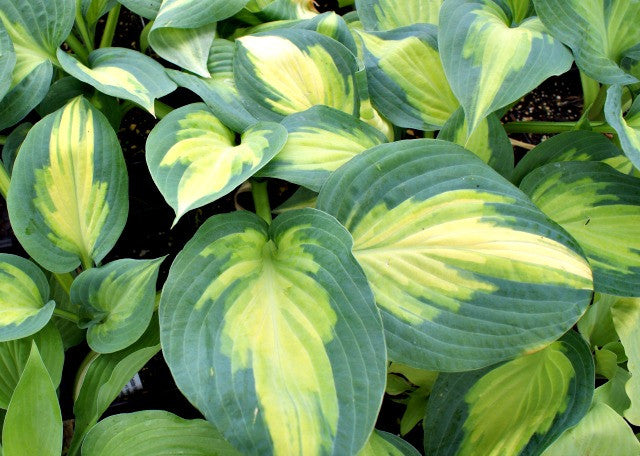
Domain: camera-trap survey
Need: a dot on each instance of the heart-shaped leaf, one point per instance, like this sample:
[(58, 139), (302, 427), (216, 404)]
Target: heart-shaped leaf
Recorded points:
[(492, 57), (121, 73), (292, 357), (320, 140), (291, 70), (68, 196), (600, 208), (518, 407), (599, 33), (24, 292), (627, 126), (391, 14), (193, 158), (466, 271), (406, 79), (154, 432), (116, 302)]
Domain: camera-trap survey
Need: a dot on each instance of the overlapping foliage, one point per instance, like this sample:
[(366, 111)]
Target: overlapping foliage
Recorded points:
[(488, 294)]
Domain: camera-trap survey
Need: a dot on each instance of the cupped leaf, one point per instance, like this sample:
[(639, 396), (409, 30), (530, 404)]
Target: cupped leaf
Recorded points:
[(154, 432), (406, 80), (491, 59), (332, 25), (596, 325), (145, 8), (625, 313), (292, 357), (601, 431), (384, 444), (489, 140), (518, 407), (599, 33), (465, 270), (15, 353), (33, 424), (102, 378), (390, 14), (121, 73), (68, 196), (291, 70), (116, 302), (193, 158), (183, 30), (627, 127), (600, 208), (320, 140), (24, 292), (613, 392), (36, 28), (578, 145)]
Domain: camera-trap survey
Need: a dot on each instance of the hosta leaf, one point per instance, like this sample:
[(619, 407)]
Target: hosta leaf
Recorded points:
[(154, 432), (92, 10), (320, 140), (600, 208), (465, 270), (572, 146), (599, 33), (68, 196), (627, 127), (518, 407), (102, 378), (145, 8), (613, 392), (24, 292), (276, 10), (12, 145), (291, 70), (489, 140), (193, 158), (391, 14), (15, 353), (71, 334), (301, 198), (36, 28), (490, 59), (33, 424), (625, 313), (184, 30), (121, 73), (7, 61), (60, 92), (406, 79), (116, 302), (596, 325), (384, 444), (332, 25), (292, 357), (601, 431)]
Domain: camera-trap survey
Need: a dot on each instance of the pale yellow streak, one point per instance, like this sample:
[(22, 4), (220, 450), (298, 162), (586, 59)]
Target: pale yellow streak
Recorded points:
[(29, 53), (119, 78), (19, 295), (401, 13), (297, 79), (72, 204)]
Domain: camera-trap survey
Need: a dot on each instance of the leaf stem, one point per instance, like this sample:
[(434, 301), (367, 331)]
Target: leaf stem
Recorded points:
[(70, 316), (4, 181), (78, 49), (110, 26), (542, 127), (65, 281), (82, 27), (261, 200)]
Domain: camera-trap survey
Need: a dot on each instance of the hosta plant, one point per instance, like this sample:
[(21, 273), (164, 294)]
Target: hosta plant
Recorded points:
[(493, 297)]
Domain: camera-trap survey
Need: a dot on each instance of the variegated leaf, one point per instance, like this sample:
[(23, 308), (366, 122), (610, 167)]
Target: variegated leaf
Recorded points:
[(116, 302), (465, 270), (183, 30), (292, 357), (599, 32), (391, 14), (193, 158), (121, 73), (627, 127), (320, 140), (516, 408), (36, 28), (572, 146), (491, 59), (291, 70), (489, 140), (68, 196), (278, 10), (93, 10), (7, 61), (24, 292), (384, 444), (600, 208), (406, 79)]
